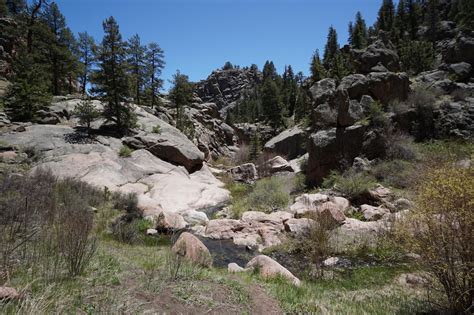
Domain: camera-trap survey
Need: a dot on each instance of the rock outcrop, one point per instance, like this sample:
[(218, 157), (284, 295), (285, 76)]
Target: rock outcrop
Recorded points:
[(378, 57), (289, 143), (226, 87)]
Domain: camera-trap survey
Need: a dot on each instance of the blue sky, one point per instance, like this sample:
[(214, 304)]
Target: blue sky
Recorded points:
[(201, 35)]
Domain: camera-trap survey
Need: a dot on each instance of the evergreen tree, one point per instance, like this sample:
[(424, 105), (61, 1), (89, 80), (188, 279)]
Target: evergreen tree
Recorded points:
[(401, 21), (269, 71), (136, 62), (155, 63), (414, 17), (87, 113), (302, 107), (255, 146), (289, 90), (86, 55), (110, 80), (181, 94), (331, 48), (271, 103), (386, 16), (358, 36), (316, 69), (61, 60), (432, 19), (228, 66), (340, 66), (462, 11), (28, 92), (416, 56), (15, 7), (3, 8)]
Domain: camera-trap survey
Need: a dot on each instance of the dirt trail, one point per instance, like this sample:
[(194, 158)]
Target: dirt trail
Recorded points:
[(262, 303)]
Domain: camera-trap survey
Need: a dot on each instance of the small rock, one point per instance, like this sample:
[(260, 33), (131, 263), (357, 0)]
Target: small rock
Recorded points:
[(234, 268), (402, 204), (269, 268), (298, 226), (336, 262), (151, 232), (190, 247), (372, 213), (246, 173), (8, 293), (412, 280)]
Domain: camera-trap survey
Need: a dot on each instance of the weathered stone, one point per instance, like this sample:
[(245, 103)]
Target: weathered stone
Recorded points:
[(8, 294), (277, 164), (245, 173), (289, 143), (234, 268), (190, 247), (298, 226), (378, 54), (269, 268), (372, 213)]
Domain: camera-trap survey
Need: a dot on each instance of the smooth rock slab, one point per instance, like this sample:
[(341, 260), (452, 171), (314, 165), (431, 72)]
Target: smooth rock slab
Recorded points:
[(269, 268)]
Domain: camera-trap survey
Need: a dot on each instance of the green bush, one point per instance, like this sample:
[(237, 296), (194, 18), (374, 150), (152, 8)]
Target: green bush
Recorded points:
[(396, 173), (125, 151), (351, 184), (156, 129), (269, 195), (416, 56), (377, 115)]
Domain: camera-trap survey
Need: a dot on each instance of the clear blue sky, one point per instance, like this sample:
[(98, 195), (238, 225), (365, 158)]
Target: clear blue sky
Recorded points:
[(201, 35)]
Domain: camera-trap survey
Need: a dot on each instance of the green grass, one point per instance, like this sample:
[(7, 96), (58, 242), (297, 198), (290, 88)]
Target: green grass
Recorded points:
[(125, 151), (367, 290)]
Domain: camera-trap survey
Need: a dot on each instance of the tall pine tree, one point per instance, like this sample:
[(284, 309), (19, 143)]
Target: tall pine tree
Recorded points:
[(271, 103), (316, 67), (331, 48), (386, 16), (86, 55), (358, 36), (110, 80), (136, 62), (154, 63)]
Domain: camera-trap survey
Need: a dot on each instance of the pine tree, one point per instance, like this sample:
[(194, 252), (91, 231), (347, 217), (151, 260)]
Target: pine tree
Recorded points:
[(136, 62), (401, 22), (15, 7), (181, 94), (228, 66), (331, 48), (289, 90), (3, 8), (432, 19), (316, 69), (414, 17), (86, 55), (269, 70), (463, 13), (271, 103), (255, 146), (28, 92), (358, 36), (110, 80), (87, 113), (155, 63), (302, 105), (62, 61), (386, 16)]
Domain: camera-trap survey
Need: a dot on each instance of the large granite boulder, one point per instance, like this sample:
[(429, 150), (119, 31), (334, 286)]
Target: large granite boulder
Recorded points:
[(459, 49), (169, 144), (388, 86), (245, 173), (289, 143)]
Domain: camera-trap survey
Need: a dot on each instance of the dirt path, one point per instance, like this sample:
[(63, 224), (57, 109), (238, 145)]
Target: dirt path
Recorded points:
[(262, 303)]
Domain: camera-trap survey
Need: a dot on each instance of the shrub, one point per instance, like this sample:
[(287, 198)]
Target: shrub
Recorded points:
[(269, 195), (396, 173), (46, 224), (156, 129), (351, 184), (126, 202), (416, 56), (377, 115), (401, 147), (125, 151), (424, 100), (440, 231), (127, 230)]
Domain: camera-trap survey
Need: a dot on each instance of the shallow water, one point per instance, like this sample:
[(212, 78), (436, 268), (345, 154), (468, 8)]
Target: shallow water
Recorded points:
[(225, 252)]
